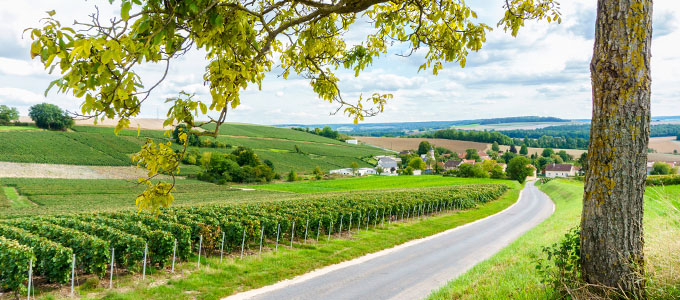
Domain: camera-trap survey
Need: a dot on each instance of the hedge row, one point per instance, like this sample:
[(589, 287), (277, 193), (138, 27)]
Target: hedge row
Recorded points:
[(14, 264), (663, 179), (53, 260)]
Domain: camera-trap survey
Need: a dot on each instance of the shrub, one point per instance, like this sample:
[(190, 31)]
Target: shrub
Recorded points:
[(562, 268), (519, 169), (192, 138), (50, 116), (292, 176), (663, 179)]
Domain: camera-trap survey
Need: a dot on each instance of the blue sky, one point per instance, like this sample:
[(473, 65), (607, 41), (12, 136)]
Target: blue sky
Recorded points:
[(544, 71)]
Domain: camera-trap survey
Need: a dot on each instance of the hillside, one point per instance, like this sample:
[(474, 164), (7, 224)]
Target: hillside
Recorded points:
[(98, 146)]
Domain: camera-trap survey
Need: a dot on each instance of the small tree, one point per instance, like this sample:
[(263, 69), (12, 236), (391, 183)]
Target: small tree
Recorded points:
[(660, 168), (8, 114), (354, 166), (524, 150), (564, 155), (379, 170), (292, 176), (423, 147), (513, 149), (507, 156), (583, 161), (548, 152), (50, 116), (495, 147), (192, 138), (417, 163), (497, 172), (519, 168), (318, 173), (472, 154)]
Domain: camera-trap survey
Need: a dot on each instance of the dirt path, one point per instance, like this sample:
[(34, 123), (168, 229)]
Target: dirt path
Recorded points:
[(30, 170)]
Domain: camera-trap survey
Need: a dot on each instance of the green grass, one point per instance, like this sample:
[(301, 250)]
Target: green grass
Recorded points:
[(511, 273), (18, 128), (251, 130), (59, 196), (373, 182), (216, 280), (14, 200)]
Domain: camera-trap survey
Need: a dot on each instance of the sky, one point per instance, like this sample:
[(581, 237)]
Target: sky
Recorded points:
[(543, 71)]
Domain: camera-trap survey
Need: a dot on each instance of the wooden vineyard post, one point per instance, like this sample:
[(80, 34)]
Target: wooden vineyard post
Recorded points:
[(306, 228), (292, 235), (146, 249), (243, 242), (221, 247), (200, 246), (113, 254), (261, 237), (174, 252)]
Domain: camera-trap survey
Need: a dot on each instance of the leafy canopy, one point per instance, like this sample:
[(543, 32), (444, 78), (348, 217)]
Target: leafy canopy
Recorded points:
[(99, 60), (8, 114)]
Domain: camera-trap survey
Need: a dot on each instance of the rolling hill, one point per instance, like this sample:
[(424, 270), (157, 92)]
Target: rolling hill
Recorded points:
[(98, 145)]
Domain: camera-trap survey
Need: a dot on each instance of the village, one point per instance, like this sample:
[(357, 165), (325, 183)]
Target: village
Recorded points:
[(439, 160)]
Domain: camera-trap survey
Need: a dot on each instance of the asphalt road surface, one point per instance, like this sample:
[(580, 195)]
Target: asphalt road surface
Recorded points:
[(415, 269)]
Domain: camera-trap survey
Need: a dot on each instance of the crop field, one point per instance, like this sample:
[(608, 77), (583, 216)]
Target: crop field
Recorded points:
[(98, 146), (73, 148), (261, 131), (377, 182), (95, 237), (666, 144), (59, 196)]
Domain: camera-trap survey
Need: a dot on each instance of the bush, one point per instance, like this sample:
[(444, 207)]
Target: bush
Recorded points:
[(562, 268), (192, 138), (519, 169), (663, 179), (661, 168), (470, 170), (50, 116), (292, 176)]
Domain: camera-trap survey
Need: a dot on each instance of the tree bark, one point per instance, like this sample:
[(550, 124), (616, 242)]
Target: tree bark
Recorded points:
[(611, 222)]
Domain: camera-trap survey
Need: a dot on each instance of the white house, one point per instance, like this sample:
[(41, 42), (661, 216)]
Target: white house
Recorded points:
[(388, 164), (360, 171), (559, 170), (353, 142)]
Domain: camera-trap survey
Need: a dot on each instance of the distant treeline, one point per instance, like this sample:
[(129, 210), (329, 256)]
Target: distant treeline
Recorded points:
[(582, 131), (526, 119)]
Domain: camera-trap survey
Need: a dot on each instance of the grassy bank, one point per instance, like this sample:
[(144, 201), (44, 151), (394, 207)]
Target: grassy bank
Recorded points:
[(215, 280), (511, 272)]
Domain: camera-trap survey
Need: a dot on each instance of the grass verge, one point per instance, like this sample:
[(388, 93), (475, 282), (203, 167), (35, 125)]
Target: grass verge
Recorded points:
[(511, 273), (215, 280)]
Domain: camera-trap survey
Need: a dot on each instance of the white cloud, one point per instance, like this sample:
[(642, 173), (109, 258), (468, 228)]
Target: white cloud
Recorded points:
[(544, 68)]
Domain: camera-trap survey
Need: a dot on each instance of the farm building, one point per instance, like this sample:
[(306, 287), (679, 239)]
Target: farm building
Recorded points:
[(359, 172), (559, 170), (353, 142), (388, 164)]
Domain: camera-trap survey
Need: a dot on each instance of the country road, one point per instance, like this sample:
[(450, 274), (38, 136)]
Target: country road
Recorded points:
[(415, 269)]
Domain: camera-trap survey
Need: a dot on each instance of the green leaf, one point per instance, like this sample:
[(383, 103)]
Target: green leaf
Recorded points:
[(125, 10), (51, 12)]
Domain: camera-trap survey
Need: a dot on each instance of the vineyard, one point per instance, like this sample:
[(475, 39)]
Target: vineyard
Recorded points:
[(47, 245)]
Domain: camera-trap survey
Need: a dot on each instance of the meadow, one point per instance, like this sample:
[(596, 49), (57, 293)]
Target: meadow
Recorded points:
[(262, 131), (511, 273)]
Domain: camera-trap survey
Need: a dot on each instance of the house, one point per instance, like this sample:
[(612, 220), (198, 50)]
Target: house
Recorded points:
[(353, 142), (406, 152), (559, 170), (417, 172), (360, 171), (483, 155), (452, 164), (469, 161), (388, 164)]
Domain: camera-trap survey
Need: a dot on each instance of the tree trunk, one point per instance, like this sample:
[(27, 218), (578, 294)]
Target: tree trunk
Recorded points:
[(611, 222)]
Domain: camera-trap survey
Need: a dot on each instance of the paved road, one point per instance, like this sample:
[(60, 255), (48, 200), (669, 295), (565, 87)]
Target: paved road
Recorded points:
[(413, 270)]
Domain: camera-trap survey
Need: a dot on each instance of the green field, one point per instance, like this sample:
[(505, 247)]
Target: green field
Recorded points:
[(374, 182), (89, 145), (511, 273), (18, 128), (73, 148), (59, 196), (250, 130)]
